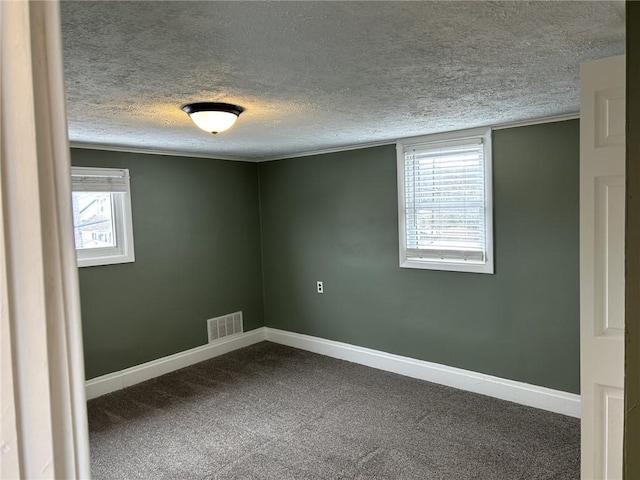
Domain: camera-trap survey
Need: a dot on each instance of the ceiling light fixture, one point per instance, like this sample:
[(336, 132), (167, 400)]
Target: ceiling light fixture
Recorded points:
[(213, 117)]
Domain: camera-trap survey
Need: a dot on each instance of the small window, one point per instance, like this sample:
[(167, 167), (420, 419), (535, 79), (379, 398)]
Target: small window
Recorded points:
[(102, 226), (445, 202)]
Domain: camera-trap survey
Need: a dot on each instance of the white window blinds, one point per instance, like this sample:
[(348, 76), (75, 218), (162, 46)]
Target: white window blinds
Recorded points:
[(446, 201), (99, 180)]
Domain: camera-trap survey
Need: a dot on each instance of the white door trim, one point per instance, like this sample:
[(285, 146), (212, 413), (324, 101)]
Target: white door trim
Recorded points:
[(44, 424)]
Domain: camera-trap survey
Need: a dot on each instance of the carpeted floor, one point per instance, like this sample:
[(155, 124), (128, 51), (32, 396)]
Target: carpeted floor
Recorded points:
[(274, 412)]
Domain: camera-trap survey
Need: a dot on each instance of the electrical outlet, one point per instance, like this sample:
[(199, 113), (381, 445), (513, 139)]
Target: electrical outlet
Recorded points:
[(320, 287)]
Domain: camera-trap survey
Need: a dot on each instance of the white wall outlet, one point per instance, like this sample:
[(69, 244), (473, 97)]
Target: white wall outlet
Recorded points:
[(320, 287)]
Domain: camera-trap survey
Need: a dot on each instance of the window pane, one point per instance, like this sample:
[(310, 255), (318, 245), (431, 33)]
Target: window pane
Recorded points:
[(445, 201), (93, 225)]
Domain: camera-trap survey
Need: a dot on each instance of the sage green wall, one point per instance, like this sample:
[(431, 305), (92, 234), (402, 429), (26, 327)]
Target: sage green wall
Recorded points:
[(334, 218), (196, 229)]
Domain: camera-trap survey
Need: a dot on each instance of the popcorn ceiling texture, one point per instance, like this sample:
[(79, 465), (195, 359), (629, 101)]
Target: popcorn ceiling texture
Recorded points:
[(318, 75)]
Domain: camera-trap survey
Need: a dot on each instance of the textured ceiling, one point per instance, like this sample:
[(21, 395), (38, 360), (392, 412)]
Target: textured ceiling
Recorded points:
[(320, 75)]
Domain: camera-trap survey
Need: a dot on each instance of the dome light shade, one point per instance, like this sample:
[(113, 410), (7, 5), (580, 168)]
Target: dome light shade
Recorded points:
[(213, 117)]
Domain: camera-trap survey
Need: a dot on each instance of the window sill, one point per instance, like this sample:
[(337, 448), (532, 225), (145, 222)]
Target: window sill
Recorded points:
[(106, 260), (468, 267)]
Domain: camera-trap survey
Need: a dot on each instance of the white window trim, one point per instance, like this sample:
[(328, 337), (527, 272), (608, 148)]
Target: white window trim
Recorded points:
[(123, 252), (433, 264)]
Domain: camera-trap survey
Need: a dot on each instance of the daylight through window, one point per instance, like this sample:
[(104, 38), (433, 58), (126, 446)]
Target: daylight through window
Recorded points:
[(445, 203), (102, 224)]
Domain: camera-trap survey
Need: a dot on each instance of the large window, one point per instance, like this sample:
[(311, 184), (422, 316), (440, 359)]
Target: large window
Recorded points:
[(445, 201), (102, 225)]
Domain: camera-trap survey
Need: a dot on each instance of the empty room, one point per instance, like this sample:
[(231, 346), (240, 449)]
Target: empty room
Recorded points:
[(319, 240)]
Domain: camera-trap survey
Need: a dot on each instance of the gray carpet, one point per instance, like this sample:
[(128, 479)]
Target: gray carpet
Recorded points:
[(274, 412)]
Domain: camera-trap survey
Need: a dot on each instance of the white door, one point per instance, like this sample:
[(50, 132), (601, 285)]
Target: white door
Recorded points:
[(602, 203)]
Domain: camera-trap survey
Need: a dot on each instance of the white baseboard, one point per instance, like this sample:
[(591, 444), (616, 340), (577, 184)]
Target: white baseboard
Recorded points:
[(518, 392), (130, 376)]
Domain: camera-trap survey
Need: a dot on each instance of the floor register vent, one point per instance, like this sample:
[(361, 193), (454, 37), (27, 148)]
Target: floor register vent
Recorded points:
[(224, 326)]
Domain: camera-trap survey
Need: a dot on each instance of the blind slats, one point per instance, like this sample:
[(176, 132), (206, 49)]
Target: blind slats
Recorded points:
[(445, 201), (453, 178), (99, 180), (445, 254), (448, 202)]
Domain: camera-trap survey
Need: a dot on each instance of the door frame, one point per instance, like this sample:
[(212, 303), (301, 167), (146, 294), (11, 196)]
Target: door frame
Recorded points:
[(631, 459), (44, 428)]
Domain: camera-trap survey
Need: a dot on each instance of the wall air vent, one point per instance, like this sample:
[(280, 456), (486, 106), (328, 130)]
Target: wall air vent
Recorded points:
[(224, 326)]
